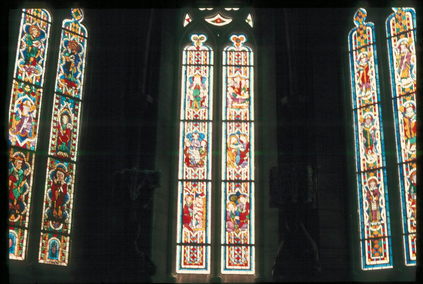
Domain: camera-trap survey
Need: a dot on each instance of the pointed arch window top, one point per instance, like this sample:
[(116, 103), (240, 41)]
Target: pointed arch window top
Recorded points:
[(360, 17), (402, 20), (77, 14), (75, 23), (363, 34), (218, 20), (42, 14)]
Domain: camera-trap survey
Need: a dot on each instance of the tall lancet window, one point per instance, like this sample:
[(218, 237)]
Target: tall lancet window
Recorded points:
[(62, 154), (237, 157), (401, 38), (373, 202), (215, 212), (194, 186), (24, 120)]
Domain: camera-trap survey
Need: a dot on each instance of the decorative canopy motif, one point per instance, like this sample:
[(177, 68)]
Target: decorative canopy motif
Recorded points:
[(218, 20)]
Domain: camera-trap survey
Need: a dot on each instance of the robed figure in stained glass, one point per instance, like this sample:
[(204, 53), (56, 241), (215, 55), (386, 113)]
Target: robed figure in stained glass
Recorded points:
[(64, 130), (32, 47), (58, 196), (410, 127), (19, 171), (364, 82), (373, 198), (369, 138), (71, 60), (237, 212), (195, 149), (197, 91), (24, 118), (238, 149), (188, 212), (406, 62), (238, 92)]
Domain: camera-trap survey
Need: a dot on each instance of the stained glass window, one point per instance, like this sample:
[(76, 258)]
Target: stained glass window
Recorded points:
[(24, 114), (401, 38), (195, 144), (61, 164), (237, 186), (234, 170), (373, 202)]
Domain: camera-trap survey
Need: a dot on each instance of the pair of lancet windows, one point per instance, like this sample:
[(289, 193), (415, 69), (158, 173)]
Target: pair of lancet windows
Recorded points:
[(196, 186), (27, 97), (372, 177)]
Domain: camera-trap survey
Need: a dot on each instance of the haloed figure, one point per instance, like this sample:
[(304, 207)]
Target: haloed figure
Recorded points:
[(64, 135), (373, 197), (59, 196), (19, 171)]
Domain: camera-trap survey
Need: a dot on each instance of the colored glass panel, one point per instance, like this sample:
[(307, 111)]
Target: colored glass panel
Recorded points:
[(237, 259), (238, 159), (197, 82), (238, 77), (402, 55), (63, 146), (401, 37), (24, 114), (408, 187), (64, 128), (237, 239), (17, 243), (369, 138), (20, 173), (375, 235), (194, 186), (373, 203), (406, 127), (54, 249), (365, 76), (72, 59), (32, 46), (194, 226), (195, 156), (58, 197)]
